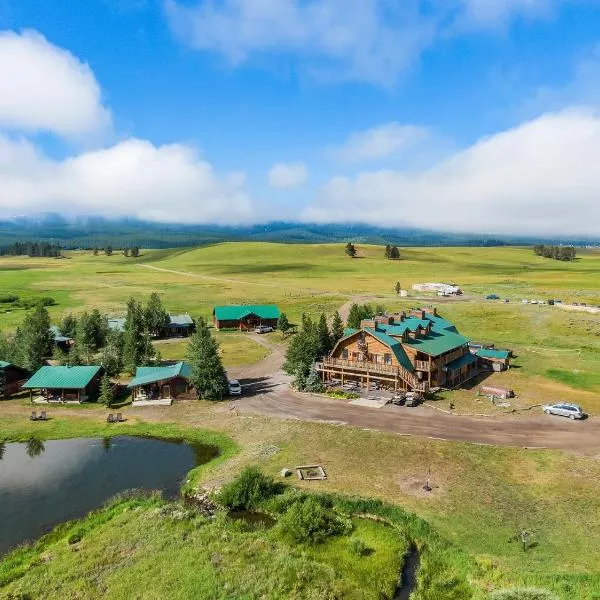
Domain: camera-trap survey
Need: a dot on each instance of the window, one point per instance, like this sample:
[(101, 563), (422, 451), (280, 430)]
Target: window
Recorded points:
[(387, 359), (345, 354)]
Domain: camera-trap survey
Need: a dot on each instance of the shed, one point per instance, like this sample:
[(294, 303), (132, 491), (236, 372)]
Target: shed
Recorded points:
[(245, 316), (492, 359), (12, 378), (60, 341), (180, 326), (65, 383)]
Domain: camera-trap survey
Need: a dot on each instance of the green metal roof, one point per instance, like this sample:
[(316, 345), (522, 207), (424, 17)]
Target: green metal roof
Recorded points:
[(180, 320), (4, 364), (233, 312), (58, 336), (394, 345), (74, 378), (349, 331), (117, 324), (463, 361), (490, 353), (437, 341), (146, 375)]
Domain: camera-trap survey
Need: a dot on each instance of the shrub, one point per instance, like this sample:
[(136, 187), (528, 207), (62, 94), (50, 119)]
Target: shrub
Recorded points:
[(522, 594), (8, 298), (74, 538), (249, 490), (358, 547), (308, 521)]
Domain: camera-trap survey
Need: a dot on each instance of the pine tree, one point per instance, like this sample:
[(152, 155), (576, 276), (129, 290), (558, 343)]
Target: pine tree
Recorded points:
[(323, 337), (108, 250), (208, 375), (350, 250), (34, 340), (313, 381), (95, 252), (137, 345), (388, 249), (126, 252), (302, 351), (337, 328), (155, 314), (106, 396), (6, 348), (68, 326), (394, 253), (135, 252), (398, 288), (112, 354), (354, 317), (283, 324)]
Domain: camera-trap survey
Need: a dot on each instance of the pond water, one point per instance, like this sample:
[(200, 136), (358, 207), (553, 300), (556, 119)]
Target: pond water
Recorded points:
[(46, 483)]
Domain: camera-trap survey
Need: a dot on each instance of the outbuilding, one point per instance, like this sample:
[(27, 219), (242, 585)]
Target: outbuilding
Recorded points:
[(493, 360), (245, 316), (12, 378), (161, 384), (64, 383)]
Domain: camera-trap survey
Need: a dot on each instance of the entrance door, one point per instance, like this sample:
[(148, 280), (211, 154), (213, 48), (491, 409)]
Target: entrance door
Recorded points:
[(166, 391)]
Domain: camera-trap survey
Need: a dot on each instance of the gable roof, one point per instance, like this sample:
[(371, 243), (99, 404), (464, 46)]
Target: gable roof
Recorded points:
[(180, 320), (394, 345), (69, 378), (349, 331), (235, 312), (58, 336), (117, 323), (491, 353), (437, 341), (146, 375)]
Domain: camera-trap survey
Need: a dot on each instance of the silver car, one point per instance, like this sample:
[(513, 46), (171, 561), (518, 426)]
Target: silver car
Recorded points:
[(573, 411)]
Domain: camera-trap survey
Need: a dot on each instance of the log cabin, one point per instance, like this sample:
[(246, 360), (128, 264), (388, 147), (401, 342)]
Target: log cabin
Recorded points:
[(245, 317), (12, 378), (64, 383), (416, 352), (161, 384)]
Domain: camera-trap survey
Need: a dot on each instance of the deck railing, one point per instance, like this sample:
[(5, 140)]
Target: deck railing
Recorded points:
[(374, 368)]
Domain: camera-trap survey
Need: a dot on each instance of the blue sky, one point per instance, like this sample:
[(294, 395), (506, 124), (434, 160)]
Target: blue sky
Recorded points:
[(466, 115)]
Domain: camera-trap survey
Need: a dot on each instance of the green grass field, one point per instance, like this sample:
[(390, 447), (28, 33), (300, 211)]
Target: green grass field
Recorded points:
[(558, 351)]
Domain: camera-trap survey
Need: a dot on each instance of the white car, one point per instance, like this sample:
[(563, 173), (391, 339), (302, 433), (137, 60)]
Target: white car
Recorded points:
[(235, 389), (564, 409), (263, 329)]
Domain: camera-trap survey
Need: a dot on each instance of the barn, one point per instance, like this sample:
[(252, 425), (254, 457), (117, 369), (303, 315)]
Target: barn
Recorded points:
[(245, 316)]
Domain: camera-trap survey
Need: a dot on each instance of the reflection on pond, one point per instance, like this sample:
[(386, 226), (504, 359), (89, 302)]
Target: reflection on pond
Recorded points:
[(45, 483), (2, 449), (35, 447)]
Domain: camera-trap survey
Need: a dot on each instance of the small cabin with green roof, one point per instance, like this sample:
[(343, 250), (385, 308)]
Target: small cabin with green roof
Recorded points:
[(12, 378), (64, 383), (245, 317), (160, 385), (415, 351)]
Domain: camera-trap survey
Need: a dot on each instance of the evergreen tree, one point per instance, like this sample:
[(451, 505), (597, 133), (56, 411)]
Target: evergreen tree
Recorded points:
[(112, 354), (283, 324), (313, 381), (208, 375), (6, 349), (302, 352), (398, 288), (323, 337), (156, 316), (350, 250), (68, 326), (388, 250), (34, 340), (394, 253), (126, 252), (106, 396), (354, 316), (95, 252), (337, 328), (108, 250), (135, 252), (137, 345), (60, 356)]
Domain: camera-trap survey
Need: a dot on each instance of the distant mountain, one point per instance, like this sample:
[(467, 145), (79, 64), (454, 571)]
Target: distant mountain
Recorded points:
[(98, 232)]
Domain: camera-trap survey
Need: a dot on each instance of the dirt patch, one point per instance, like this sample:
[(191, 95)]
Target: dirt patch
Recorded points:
[(412, 485)]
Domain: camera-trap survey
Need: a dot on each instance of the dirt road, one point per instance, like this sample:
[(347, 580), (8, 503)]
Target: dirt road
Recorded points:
[(267, 392)]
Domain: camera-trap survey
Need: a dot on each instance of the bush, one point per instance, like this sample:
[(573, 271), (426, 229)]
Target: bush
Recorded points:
[(74, 538), (522, 594), (358, 547), (249, 490), (8, 298), (307, 521)]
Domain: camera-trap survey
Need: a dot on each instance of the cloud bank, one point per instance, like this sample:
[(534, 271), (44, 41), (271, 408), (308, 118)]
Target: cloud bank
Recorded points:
[(287, 175), (46, 88), (538, 178)]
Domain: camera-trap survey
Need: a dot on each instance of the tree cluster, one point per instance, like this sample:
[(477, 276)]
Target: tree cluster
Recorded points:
[(314, 340), (358, 312), (392, 252), (133, 251), (556, 252), (31, 249)]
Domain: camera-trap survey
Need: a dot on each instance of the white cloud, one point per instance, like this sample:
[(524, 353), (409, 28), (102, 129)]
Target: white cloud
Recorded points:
[(380, 142), (133, 178), (287, 175), (46, 88), (370, 40), (539, 178)]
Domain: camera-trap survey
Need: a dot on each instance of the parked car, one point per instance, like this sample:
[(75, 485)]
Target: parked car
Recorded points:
[(573, 411), (525, 301), (492, 297), (263, 329), (235, 389)]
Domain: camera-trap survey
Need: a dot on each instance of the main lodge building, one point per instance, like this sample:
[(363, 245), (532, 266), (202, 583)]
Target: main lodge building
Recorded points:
[(416, 351)]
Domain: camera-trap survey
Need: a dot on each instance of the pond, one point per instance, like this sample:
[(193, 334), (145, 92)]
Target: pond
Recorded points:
[(46, 483)]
